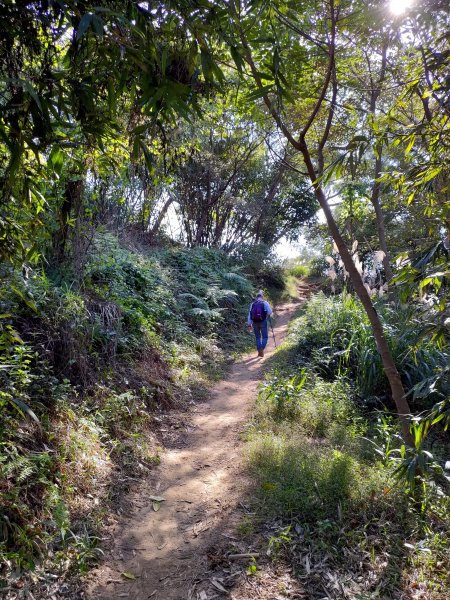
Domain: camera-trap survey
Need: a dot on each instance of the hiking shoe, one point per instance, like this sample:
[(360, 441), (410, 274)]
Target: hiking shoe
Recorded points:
[(260, 352)]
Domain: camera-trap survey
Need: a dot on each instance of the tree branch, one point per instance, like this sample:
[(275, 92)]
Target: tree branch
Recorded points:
[(296, 29), (255, 74), (330, 70)]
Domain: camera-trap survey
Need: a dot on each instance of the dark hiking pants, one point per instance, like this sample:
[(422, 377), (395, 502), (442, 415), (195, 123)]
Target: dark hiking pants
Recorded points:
[(261, 331)]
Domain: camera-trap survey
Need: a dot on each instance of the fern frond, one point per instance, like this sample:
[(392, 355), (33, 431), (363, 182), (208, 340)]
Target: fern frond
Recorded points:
[(26, 470), (240, 283), (200, 302), (210, 313)]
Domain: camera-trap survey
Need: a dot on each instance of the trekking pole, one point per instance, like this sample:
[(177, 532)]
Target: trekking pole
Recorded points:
[(273, 333)]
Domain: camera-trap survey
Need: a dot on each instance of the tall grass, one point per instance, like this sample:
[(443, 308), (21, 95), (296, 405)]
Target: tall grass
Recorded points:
[(338, 342), (301, 479)]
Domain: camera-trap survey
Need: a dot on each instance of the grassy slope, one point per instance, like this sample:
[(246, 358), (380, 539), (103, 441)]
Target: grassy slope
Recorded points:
[(324, 470), (85, 373)]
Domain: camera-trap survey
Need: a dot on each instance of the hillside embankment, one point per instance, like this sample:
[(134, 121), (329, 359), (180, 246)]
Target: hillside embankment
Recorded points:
[(93, 367)]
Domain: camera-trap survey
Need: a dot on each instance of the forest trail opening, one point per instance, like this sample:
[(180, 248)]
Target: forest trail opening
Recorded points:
[(163, 554)]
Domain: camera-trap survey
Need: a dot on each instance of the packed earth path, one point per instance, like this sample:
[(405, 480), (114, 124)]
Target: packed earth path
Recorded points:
[(185, 546)]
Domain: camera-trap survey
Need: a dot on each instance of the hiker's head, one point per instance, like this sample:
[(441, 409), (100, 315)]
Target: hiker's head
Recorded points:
[(260, 294)]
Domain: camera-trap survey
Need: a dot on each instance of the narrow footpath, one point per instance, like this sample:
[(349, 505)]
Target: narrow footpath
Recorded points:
[(165, 550)]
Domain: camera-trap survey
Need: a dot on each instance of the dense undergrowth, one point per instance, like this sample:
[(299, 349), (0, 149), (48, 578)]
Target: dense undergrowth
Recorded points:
[(86, 366), (333, 494)]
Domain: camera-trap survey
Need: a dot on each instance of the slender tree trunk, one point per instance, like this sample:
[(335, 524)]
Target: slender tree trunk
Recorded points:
[(72, 193), (398, 393), (82, 233), (375, 199), (397, 390), (258, 229), (201, 234), (160, 218), (221, 223), (376, 188), (202, 220)]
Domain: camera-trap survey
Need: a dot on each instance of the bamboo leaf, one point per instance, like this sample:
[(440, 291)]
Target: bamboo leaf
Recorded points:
[(25, 409), (84, 25)]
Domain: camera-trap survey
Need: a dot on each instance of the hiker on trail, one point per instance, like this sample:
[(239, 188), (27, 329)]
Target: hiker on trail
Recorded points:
[(257, 320)]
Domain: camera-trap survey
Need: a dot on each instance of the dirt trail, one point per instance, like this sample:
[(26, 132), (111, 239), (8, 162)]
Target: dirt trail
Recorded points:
[(201, 479)]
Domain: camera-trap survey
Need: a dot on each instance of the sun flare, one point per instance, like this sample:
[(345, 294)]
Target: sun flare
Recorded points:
[(398, 7)]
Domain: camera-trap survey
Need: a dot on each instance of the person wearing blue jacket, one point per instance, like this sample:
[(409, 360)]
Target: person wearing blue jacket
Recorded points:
[(257, 320)]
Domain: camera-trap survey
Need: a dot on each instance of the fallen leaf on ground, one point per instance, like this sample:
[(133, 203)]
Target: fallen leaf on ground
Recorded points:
[(307, 565), (157, 498), (128, 575), (218, 586)]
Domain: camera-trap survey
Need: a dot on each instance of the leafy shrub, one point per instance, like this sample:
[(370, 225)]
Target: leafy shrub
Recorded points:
[(261, 266), (314, 404), (299, 271), (318, 267)]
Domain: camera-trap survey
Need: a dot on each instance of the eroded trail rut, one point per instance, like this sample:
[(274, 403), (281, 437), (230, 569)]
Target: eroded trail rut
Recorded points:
[(167, 551)]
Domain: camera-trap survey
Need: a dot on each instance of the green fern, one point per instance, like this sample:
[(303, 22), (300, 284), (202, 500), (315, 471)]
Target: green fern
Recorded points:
[(194, 300), (241, 284), (217, 295), (25, 471), (209, 313), (16, 466)]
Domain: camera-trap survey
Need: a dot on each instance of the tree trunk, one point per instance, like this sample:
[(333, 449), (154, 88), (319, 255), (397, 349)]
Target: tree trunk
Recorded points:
[(376, 189), (375, 199), (160, 218), (258, 229), (71, 193), (82, 233), (203, 218), (398, 393)]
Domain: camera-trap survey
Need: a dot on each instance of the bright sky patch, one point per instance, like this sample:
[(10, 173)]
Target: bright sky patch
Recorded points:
[(398, 7)]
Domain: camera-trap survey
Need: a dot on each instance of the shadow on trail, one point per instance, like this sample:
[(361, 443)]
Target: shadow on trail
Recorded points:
[(171, 549), (320, 561), (251, 360)]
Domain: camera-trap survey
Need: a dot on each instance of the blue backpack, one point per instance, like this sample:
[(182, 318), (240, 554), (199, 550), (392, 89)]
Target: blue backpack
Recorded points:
[(258, 311)]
